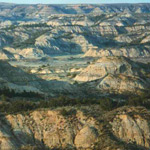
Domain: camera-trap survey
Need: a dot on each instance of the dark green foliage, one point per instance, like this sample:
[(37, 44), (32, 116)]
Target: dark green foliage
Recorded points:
[(143, 100), (66, 112), (12, 27), (68, 74), (88, 62), (11, 93), (74, 75), (108, 104), (16, 106), (3, 98), (22, 105), (35, 25), (30, 41), (66, 35)]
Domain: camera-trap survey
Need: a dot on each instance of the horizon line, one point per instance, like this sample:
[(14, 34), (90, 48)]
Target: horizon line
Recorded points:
[(73, 3)]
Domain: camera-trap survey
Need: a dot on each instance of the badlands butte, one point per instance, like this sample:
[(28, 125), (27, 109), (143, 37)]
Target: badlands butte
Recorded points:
[(75, 77)]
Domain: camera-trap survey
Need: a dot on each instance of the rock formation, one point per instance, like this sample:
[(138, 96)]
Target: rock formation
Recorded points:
[(116, 74), (50, 129)]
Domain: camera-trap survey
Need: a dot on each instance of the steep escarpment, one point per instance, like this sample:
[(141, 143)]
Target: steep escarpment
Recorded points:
[(124, 128)]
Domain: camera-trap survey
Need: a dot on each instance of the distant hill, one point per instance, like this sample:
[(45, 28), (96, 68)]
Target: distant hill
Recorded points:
[(42, 11)]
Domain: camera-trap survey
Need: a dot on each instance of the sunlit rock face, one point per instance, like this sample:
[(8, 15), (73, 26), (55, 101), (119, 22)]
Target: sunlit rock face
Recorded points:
[(116, 75), (130, 128), (50, 129), (80, 29)]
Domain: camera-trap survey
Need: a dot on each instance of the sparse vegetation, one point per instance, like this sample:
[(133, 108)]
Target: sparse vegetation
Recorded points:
[(11, 93), (30, 41), (143, 100), (3, 98)]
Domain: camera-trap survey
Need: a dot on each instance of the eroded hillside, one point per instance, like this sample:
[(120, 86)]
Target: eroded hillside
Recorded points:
[(95, 35), (85, 128)]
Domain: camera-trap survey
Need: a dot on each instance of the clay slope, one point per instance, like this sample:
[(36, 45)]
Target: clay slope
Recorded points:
[(133, 51), (96, 35), (50, 129), (116, 74)]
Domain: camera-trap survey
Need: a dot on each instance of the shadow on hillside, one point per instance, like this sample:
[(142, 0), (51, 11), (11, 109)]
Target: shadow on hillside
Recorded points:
[(17, 139), (23, 79)]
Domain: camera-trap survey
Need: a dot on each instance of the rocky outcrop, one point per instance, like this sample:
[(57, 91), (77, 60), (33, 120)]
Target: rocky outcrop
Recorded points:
[(110, 65), (47, 129), (112, 34), (125, 128), (86, 137), (132, 128), (122, 84), (124, 51), (116, 75)]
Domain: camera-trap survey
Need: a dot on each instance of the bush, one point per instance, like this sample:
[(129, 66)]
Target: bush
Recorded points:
[(68, 74), (74, 75), (64, 112), (139, 101), (3, 98), (11, 93), (108, 104)]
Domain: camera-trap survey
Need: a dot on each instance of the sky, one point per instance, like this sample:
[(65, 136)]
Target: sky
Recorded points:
[(73, 1)]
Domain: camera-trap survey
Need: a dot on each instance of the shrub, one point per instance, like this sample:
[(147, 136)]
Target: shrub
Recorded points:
[(74, 75), (68, 74), (64, 112), (143, 100), (108, 104), (3, 98)]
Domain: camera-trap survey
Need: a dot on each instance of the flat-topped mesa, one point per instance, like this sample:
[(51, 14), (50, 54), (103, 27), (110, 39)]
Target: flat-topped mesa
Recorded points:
[(111, 65)]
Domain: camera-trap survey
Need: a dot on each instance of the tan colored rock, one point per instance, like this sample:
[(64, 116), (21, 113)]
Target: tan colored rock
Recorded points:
[(132, 129), (50, 129), (109, 65), (86, 137), (124, 51), (43, 127), (115, 75), (31, 53), (121, 83)]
